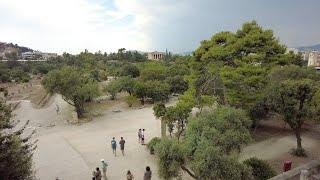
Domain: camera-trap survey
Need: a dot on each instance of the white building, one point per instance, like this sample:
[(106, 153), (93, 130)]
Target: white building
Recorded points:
[(32, 55), (156, 55), (314, 59)]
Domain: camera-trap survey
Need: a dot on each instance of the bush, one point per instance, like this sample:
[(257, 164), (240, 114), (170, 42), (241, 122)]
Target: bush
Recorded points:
[(177, 84), (113, 88), (261, 170), (129, 70), (131, 100), (152, 144), (170, 158)]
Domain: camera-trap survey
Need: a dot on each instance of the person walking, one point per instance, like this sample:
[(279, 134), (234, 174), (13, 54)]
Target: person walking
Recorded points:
[(114, 146), (139, 135), (57, 109), (142, 137), (104, 169), (130, 175), (147, 174), (97, 174), (122, 142)]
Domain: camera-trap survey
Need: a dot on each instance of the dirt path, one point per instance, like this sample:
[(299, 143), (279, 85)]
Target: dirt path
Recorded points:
[(73, 151), (276, 147)]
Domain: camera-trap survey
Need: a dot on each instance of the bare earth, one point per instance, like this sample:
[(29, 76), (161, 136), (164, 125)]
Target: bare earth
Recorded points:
[(73, 151)]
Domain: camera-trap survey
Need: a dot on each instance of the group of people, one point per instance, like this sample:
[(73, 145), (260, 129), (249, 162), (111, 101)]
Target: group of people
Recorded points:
[(114, 145), (141, 136), (98, 175)]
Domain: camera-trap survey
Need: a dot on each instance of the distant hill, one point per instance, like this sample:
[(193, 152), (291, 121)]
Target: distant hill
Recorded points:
[(309, 48), (10, 47)]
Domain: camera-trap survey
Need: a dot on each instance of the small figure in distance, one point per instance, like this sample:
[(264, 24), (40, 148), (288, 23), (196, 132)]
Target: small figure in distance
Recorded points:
[(122, 142), (139, 135), (129, 175), (147, 174), (104, 168), (114, 146), (57, 109), (142, 137), (97, 174)]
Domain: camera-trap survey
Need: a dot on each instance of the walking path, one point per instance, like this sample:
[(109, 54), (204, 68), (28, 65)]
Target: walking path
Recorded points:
[(73, 151)]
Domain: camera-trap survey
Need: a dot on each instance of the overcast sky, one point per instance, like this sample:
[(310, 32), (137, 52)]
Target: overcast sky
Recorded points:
[(179, 25)]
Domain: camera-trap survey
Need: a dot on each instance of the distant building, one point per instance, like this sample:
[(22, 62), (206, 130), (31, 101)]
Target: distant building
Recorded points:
[(314, 59), (305, 55), (156, 55), (32, 55), (47, 56)]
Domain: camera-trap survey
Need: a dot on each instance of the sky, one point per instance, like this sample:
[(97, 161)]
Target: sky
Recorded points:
[(149, 25)]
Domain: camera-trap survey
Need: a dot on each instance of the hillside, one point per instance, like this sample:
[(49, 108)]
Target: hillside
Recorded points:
[(10, 47), (309, 48)]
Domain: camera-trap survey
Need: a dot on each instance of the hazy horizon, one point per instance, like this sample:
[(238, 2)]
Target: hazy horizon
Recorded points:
[(107, 25)]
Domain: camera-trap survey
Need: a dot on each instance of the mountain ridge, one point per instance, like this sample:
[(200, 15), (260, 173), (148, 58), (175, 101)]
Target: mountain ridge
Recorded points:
[(315, 47)]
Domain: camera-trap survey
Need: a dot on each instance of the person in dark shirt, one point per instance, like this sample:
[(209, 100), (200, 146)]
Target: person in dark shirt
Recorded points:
[(114, 146), (122, 142), (147, 174)]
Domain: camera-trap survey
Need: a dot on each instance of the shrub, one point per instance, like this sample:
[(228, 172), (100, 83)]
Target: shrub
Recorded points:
[(129, 70), (113, 88), (261, 170), (131, 100), (152, 144), (170, 158)]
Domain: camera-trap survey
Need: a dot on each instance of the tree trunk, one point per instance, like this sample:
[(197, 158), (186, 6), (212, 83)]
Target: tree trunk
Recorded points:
[(79, 109), (163, 128), (298, 136)]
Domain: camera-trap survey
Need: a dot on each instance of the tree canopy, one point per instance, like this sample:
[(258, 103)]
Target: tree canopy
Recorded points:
[(75, 86)]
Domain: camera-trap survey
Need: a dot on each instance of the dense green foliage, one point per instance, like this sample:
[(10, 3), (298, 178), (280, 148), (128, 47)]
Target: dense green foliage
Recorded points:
[(129, 70), (210, 139), (242, 60), (261, 170), (16, 150), (235, 79), (170, 157), (152, 144)]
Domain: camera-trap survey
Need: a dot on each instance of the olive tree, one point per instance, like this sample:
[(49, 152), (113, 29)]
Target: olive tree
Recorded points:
[(74, 85)]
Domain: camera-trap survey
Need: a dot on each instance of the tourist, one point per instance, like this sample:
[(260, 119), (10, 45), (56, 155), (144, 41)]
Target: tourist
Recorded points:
[(114, 146), (142, 137), (129, 175), (104, 168), (57, 109), (122, 142), (97, 174), (147, 174), (139, 135)]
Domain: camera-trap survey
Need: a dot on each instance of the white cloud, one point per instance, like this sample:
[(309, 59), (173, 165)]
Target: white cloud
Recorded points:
[(179, 25), (69, 25)]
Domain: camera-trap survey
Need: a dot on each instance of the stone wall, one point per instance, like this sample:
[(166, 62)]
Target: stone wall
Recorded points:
[(308, 170)]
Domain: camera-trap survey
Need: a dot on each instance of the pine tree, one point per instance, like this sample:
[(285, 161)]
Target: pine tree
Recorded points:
[(16, 150)]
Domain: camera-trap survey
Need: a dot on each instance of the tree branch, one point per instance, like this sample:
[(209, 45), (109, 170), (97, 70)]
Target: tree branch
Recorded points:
[(188, 171), (67, 101)]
